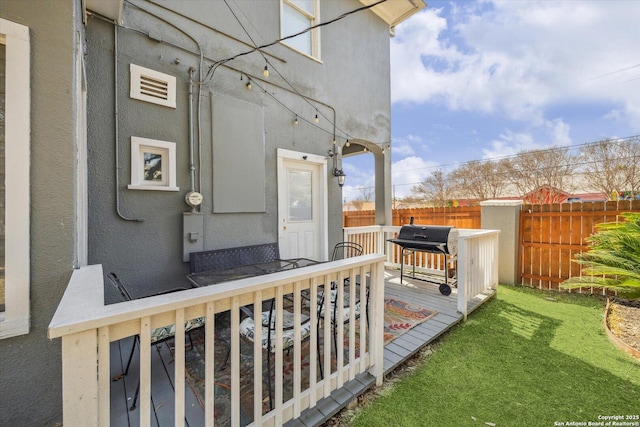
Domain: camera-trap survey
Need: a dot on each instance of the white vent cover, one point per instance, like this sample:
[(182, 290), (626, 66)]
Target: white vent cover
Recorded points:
[(152, 86)]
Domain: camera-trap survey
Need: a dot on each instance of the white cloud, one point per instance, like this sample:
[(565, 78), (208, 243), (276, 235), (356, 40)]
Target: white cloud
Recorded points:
[(408, 172), (404, 147), (552, 133), (516, 58), (360, 176)]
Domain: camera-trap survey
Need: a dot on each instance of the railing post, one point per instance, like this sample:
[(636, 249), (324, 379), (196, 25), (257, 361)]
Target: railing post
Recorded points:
[(464, 264), (80, 380), (376, 338)]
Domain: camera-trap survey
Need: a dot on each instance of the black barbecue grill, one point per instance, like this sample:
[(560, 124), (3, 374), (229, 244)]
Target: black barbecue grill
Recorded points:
[(428, 238)]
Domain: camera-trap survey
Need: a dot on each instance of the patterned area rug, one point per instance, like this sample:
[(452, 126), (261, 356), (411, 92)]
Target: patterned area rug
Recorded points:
[(399, 318)]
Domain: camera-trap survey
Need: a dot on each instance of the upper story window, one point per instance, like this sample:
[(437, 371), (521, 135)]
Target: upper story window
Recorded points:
[(296, 16), (15, 124)]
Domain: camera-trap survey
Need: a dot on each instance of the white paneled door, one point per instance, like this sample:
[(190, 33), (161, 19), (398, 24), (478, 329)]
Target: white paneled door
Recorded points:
[(302, 211)]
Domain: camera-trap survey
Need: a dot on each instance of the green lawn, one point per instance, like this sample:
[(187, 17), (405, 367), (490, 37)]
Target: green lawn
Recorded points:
[(522, 360)]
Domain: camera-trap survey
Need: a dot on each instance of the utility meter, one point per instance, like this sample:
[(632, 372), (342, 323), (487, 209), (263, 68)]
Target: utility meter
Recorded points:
[(193, 199)]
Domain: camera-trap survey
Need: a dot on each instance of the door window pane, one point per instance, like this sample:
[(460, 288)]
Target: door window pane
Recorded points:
[(300, 195)]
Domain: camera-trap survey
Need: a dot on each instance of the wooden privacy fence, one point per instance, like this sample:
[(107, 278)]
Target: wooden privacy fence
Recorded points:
[(460, 217), (551, 235)]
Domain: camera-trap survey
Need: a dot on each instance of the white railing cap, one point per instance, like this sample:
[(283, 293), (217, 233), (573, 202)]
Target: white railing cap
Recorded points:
[(82, 306), (472, 232)]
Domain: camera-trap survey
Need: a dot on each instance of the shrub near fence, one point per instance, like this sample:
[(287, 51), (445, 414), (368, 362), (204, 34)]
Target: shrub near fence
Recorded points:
[(550, 236), (460, 217)]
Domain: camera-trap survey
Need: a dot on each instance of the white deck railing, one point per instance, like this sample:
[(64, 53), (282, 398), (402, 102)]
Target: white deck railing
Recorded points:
[(477, 265), (87, 327), (477, 259)]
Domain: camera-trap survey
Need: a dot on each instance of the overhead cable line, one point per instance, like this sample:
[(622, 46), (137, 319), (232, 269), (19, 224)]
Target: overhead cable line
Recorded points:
[(527, 153), (306, 30), (259, 49)]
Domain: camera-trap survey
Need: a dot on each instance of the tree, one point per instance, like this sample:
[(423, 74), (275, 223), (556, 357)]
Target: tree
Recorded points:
[(613, 262), (478, 180), (611, 166), (534, 169), (435, 189), (366, 194), (632, 169)]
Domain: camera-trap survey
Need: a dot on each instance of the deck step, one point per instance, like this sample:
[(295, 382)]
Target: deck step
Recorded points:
[(329, 406)]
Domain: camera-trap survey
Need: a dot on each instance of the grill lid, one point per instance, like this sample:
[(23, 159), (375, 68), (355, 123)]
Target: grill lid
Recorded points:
[(428, 238)]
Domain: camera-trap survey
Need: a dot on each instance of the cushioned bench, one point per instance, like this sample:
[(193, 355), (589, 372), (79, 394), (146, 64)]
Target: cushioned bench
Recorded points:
[(233, 257)]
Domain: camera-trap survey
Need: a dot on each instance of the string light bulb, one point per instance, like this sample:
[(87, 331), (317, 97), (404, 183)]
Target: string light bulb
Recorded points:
[(316, 119), (295, 122), (348, 144), (266, 71), (249, 85)]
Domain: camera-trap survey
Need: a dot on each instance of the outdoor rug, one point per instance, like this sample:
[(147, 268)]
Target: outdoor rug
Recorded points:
[(399, 318)]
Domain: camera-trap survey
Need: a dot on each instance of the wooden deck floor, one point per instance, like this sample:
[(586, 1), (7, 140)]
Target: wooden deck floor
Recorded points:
[(397, 351)]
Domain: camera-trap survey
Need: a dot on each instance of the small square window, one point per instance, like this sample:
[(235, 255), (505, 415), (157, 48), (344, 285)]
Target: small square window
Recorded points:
[(153, 165)]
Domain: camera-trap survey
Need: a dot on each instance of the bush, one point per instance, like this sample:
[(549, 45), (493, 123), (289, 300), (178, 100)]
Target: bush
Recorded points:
[(613, 262)]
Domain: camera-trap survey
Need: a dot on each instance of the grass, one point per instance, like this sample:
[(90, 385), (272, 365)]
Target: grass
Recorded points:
[(522, 360)]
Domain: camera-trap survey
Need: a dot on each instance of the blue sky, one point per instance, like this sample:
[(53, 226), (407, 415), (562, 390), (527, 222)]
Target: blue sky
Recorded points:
[(474, 80)]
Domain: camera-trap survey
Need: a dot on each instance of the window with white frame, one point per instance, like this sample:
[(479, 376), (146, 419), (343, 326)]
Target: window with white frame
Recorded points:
[(296, 16), (153, 165), (15, 123)]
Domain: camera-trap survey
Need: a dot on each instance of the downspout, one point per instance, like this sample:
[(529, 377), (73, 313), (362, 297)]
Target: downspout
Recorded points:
[(116, 118), (192, 168)]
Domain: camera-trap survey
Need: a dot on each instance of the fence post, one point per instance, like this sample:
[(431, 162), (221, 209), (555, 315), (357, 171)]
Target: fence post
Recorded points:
[(504, 215)]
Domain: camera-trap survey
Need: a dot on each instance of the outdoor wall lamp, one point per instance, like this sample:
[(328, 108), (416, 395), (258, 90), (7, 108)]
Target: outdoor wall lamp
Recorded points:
[(338, 173)]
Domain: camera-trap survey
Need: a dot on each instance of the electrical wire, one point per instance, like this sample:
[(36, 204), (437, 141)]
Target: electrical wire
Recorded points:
[(345, 135), (634, 158), (322, 24), (528, 152), (255, 44), (299, 117)]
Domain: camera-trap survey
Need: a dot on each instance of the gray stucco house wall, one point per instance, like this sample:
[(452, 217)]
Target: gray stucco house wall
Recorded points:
[(351, 77), (30, 369), (82, 209)]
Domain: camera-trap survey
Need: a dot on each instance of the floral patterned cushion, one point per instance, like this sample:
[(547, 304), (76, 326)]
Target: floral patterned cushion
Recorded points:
[(247, 329), (166, 332), (346, 312)]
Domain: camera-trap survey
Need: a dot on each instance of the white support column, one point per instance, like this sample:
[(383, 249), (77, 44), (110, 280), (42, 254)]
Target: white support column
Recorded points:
[(383, 188), (504, 215)]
